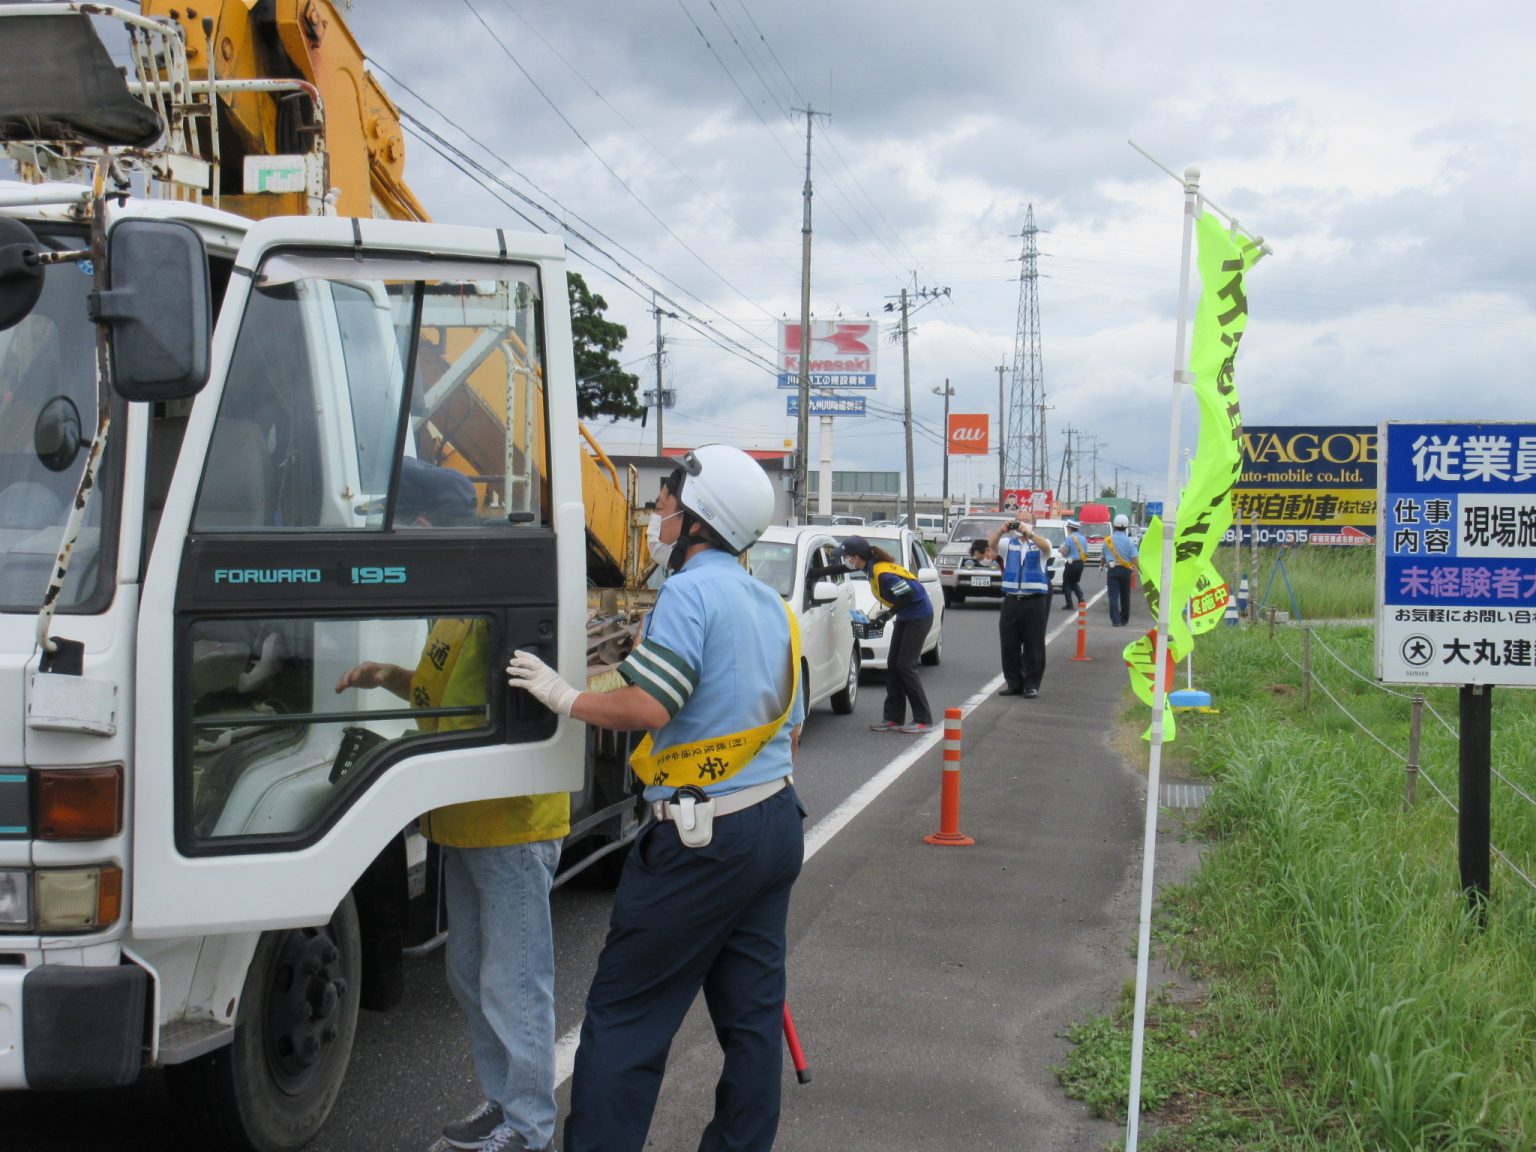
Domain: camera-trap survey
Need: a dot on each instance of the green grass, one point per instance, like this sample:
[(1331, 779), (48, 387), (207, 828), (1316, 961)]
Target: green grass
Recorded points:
[(1345, 997), (1328, 583)]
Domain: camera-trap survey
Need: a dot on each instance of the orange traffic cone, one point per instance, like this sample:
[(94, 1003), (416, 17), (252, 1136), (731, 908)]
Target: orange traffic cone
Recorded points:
[(949, 796)]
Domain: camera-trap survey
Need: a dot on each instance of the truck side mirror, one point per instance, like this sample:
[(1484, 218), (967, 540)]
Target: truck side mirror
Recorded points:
[(21, 275), (157, 305)]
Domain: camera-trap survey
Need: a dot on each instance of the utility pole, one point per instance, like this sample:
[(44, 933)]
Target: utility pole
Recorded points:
[(661, 393), (803, 422), (906, 393), (945, 392), (927, 296), (1002, 436)]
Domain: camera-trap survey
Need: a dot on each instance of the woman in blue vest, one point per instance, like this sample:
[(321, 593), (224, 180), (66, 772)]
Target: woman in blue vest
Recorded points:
[(1026, 604), (908, 601)]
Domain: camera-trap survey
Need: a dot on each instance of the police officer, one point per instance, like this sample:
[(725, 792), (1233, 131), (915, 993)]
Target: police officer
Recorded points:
[(1075, 551), (704, 897), (1120, 553), (1026, 607)]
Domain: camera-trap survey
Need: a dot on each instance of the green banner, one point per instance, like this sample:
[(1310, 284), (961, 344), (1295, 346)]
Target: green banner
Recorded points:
[(1205, 504)]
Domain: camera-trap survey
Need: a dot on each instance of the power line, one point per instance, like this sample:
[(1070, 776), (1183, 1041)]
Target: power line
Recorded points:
[(564, 119)]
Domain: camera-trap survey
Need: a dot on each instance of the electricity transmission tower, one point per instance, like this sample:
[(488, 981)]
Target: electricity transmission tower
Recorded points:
[(1028, 457)]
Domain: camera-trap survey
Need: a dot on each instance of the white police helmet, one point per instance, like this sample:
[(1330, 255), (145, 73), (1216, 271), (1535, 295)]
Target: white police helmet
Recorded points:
[(1122, 521), (729, 491)]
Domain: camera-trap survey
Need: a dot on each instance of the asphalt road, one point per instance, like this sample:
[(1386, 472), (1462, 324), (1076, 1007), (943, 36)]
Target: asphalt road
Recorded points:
[(411, 1072)]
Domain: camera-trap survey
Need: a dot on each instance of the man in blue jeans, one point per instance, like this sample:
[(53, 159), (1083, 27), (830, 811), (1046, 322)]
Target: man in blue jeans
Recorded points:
[(499, 859), (703, 902)]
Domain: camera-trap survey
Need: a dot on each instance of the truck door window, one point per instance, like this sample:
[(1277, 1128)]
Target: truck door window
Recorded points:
[(290, 717), (314, 419)]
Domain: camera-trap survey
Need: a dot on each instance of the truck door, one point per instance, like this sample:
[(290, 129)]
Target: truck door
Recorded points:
[(375, 503)]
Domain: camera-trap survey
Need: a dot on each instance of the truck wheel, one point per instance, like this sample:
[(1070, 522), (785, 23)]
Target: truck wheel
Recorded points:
[(271, 1089), (843, 701)]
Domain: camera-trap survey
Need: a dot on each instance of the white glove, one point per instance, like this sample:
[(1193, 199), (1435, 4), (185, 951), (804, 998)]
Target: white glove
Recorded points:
[(542, 682)]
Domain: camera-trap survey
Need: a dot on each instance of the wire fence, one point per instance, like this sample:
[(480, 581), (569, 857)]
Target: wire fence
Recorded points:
[(1418, 704)]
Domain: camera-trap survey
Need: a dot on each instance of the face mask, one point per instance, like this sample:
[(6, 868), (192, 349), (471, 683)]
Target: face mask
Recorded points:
[(660, 552)]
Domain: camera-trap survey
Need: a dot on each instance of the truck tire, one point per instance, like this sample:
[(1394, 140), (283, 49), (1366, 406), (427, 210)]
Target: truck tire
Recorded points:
[(844, 700), (272, 1087)]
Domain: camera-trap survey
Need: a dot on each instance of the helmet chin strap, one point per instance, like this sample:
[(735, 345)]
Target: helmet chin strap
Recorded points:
[(686, 541)]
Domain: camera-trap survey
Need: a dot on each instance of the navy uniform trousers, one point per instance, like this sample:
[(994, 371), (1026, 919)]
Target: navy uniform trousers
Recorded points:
[(1021, 628), (685, 919)]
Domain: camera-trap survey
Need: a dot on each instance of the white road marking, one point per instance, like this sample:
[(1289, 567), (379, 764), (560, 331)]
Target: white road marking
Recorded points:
[(841, 816)]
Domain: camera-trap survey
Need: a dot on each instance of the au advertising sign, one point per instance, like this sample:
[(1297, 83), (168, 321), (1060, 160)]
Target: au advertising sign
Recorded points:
[(967, 434), (842, 353), (1307, 484), (1456, 566)]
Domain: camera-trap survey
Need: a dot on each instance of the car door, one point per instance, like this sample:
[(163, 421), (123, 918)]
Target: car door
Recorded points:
[(355, 361), (819, 621)]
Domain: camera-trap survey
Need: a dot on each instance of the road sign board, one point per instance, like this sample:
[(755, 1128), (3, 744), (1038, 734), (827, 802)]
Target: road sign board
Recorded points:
[(1456, 554), (1154, 507), (827, 405)]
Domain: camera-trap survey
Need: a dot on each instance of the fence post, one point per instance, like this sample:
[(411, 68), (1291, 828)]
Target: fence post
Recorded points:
[(1271, 613), (1415, 725), (1253, 570), (1306, 664)]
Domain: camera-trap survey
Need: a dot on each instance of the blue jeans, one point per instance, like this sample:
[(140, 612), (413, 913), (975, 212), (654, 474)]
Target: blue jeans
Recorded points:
[(685, 919), (501, 967)]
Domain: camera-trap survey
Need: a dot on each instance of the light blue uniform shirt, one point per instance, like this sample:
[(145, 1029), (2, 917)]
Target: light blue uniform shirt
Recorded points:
[(1128, 549), (715, 654)]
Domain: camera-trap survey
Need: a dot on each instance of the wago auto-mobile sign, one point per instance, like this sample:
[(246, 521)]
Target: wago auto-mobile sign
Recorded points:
[(1456, 554)]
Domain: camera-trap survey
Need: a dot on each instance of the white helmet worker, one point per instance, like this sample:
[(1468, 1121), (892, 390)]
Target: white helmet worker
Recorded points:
[(1122, 521), (728, 491)]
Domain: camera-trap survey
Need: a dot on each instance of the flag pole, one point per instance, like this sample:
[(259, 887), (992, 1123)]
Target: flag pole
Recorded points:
[(1159, 674)]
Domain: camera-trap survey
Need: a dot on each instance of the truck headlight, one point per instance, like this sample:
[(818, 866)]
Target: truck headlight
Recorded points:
[(79, 899), (15, 900)]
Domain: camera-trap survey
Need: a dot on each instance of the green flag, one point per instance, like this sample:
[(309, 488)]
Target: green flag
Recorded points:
[(1205, 503)]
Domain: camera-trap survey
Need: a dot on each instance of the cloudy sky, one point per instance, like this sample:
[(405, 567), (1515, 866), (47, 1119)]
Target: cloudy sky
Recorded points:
[(1384, 149)]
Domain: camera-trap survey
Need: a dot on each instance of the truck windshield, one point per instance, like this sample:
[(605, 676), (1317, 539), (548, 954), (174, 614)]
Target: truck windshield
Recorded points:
[(48, 388)]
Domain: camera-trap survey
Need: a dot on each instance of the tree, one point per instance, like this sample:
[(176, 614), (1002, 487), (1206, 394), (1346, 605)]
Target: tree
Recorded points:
[(603, 388), (1108, 491)]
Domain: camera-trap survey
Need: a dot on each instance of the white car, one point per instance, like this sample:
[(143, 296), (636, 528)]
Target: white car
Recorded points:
[(908, 550), (829, 656), (961, 575)]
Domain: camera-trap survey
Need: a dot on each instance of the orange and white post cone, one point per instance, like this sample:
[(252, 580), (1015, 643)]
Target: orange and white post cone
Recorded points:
[(796, 1053), (949, 795), (1082, 632)]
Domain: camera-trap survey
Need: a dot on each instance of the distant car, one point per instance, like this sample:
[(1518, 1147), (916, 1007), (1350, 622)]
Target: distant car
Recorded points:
[(930, 526), (962, 576), (823, 520), (908, 550), (830, 659)]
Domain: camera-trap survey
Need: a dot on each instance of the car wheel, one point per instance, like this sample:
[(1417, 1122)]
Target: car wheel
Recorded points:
[(949, 596), (272, 1087), (936, 653), (844, 700)]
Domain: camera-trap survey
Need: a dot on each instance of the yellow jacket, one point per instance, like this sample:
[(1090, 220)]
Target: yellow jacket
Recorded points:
[(452, 671)]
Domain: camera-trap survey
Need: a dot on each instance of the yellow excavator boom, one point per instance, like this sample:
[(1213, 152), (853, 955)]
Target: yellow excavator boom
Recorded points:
[(364, 145)]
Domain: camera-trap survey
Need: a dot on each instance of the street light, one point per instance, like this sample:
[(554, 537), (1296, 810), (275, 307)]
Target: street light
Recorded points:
[(945, 392)]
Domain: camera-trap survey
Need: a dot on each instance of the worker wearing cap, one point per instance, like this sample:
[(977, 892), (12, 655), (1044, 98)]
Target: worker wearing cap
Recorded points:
[(904, 598), (1120, 553), (499, 858), (1075, 550), (704, 897), (1026, 606)]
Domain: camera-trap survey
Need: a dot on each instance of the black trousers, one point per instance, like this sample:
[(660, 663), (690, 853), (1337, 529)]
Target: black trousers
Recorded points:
[(1119, 595), (1072, 583), (1021, 629), (901, 680)]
